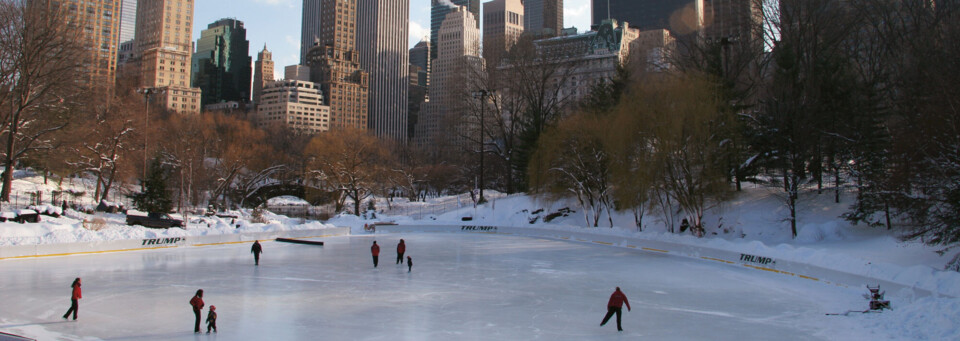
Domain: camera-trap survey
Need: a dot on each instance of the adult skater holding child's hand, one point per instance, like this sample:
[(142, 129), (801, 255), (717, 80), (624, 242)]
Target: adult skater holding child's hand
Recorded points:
[(615, 305)]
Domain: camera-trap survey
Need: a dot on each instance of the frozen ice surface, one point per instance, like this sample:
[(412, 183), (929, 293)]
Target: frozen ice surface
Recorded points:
[(462, 287)]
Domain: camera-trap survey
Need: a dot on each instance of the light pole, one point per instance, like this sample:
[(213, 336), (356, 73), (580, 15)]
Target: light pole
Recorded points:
[(482, 95), (146, 92)]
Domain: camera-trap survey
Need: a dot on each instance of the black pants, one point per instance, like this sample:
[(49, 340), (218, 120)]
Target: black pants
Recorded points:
[(74, 307), (256, 258), (196, 324), (212, 325), (610, 311), (376, 259), (399, 257)]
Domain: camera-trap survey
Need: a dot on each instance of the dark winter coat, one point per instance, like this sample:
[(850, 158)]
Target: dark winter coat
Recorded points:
[(617, 299), (375, 250), (212, 317), (196, 302), (76, 292), (401, 248), (257, 249)]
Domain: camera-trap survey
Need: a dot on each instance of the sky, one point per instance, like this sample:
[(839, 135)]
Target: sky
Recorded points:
[(276, 23)]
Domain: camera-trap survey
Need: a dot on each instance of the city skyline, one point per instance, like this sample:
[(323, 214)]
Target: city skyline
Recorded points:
[(276, 23)]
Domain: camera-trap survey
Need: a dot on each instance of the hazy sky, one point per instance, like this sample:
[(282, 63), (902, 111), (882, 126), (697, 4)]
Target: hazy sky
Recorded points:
[(277, 23)]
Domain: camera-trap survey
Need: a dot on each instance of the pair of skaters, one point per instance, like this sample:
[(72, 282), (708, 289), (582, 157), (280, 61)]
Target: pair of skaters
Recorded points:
[(401, 249)]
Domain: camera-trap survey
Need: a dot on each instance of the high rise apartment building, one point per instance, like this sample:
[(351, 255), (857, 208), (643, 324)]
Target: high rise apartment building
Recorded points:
[(309, 27), (438, 12), (335, 64), (382, 27), (443, 123), (163, 49), (295, 104), (296, 72), (221, 63), (98, 23), (262, 73), (128, 20), (543, 18), (502, 26)]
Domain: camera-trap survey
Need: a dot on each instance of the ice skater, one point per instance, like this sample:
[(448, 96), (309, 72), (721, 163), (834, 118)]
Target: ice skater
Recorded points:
[(212, 319), (375, 250), (74, 297), (409, 264), (615, 305), (401, 248), (256, 249), (197, 303)]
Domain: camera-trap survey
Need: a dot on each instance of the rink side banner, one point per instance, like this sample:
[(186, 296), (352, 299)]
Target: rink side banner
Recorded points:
[(164, 241)]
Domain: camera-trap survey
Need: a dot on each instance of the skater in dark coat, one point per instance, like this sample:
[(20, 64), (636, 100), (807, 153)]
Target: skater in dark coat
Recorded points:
[(256, 250), (401, 248), (375, 250), (409, 264), (615, 305), (212, 319), (197, 303), (76, 295)]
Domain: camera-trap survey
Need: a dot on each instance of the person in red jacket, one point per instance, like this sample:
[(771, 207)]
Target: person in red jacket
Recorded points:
[(74, 306), (615, 305), (375, 250), (401, 248), (197, 303)]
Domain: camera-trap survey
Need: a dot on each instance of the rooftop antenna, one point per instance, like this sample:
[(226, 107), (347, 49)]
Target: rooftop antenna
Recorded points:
[(608, 9)]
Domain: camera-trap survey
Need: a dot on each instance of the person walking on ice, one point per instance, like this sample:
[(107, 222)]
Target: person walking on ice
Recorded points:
[(76, 295), (212, 319), (375, 251), (256, 249), (401, 248), (197, 303), (615, 305), (409, 264)]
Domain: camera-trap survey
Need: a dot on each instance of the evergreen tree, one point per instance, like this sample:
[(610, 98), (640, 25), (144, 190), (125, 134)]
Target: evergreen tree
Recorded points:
[(155, 198)]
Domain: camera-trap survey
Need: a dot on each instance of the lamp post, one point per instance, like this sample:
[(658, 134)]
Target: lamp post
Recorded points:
[(482, 95), (147, 92)]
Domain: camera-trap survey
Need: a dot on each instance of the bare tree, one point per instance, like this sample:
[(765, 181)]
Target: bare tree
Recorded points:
[(38, 78), (349, 161)]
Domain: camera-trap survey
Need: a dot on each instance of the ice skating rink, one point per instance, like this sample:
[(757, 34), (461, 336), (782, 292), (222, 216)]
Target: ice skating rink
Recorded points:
[(463, 287)]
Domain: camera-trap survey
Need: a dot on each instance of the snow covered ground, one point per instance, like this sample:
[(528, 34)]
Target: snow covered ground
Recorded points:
[(752, 223)]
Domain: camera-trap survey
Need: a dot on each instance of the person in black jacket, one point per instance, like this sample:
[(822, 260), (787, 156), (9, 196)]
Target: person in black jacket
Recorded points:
[(256, 250), (212, 319), (409, 264)]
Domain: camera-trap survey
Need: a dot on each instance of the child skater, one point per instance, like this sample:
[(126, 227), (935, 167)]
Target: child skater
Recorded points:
[(409, 264), (212, 319)]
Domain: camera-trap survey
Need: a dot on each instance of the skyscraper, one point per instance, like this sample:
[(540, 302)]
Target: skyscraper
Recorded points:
[(262, 73), (162, 48), (732, 19), (678, 16), (438, 12), (420, 55), (128, 20), (442, 125), (96, 25), (543, 17), (221, 64), (502, 26), (382, 27), (309, 27), (335, 64)]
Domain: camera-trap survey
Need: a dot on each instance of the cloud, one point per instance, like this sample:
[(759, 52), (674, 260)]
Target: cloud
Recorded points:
[(292, 41), (576, 13), (417, 32)]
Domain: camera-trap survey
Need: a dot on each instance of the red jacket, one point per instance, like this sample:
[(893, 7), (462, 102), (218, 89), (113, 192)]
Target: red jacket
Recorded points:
[(76, 292), (401, 248), (196, 302), (617, 299), (375, 249)]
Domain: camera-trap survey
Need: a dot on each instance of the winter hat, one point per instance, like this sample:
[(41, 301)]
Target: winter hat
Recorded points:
[(213, 307)]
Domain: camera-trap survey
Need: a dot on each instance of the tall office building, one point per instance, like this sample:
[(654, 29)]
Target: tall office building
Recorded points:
[(221, 64), (128, 20), (543, 17), (420, 55), (502, 26), (443, 124), (163, 48), (678, 16), (309, 27), (296, 72), (98, 23), (438, 12), (382, 26), (262, 73), (295, 104), (335, 64), (732, 19)]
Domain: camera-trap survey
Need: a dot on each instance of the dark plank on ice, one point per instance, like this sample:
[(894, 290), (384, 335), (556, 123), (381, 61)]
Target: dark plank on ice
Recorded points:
[(298, 241)]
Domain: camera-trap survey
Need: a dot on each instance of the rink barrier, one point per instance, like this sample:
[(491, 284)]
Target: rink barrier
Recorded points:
[(725, 257), (97, 247)]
